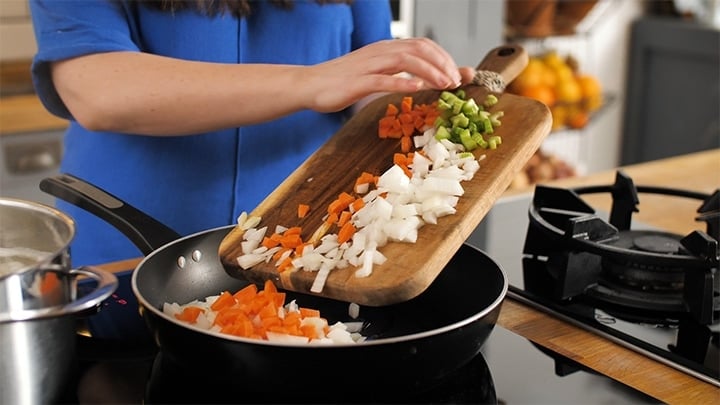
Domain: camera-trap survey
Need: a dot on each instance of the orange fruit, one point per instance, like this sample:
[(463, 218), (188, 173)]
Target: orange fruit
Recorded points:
[(541, 93), (531, 76), (568, 91), (559, 115), (591, 92), (578, 119)]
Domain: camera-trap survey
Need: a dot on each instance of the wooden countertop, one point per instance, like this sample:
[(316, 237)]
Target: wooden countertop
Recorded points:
[(25, 113), (697, 172), (20, 109)]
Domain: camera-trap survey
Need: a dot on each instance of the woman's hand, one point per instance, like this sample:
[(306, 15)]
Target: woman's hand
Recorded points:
[(381, 68)]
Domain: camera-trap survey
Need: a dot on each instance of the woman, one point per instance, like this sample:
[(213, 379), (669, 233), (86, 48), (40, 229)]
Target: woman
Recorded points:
[(195, 110)]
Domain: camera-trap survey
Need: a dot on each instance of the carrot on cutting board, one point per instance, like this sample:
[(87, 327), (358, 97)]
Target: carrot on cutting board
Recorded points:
[(303, 210)]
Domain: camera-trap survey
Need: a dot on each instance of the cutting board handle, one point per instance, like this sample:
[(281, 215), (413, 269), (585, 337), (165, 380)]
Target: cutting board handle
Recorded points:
[(501, 66)]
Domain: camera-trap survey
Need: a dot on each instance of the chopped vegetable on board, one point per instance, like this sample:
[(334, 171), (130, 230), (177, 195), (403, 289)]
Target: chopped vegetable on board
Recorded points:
[(421, 186)]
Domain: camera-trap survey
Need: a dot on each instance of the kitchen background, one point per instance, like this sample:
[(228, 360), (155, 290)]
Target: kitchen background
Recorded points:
[(668, 68), (657, 66)]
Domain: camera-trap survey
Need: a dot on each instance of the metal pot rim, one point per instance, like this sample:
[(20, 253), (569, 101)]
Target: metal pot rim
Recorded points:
[(45, 210)]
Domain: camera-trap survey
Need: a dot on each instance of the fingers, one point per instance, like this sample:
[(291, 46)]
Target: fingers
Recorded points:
[(420, 57), (426, 60)]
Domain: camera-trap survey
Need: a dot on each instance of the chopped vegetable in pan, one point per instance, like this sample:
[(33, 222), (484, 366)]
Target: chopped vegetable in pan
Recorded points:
[(263, 314)]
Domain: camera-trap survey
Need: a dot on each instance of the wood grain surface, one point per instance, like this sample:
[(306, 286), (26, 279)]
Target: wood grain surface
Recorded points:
[(410, 268)]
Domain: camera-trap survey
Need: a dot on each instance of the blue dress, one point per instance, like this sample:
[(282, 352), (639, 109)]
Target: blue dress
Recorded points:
[(192, 183)]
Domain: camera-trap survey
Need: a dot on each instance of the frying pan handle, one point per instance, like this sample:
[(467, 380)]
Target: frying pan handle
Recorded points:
[(501, 66), (144, 231)]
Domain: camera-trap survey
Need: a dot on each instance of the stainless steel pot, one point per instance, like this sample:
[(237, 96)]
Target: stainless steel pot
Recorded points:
[(38, 301)]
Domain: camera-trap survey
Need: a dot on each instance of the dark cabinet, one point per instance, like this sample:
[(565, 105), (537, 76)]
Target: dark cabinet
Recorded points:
[(673, 90)]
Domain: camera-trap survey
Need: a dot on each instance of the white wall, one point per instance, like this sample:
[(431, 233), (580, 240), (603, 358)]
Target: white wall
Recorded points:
[(17, 41)]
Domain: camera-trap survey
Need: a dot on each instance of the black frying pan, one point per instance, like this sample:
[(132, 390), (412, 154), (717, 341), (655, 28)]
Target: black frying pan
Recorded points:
[(410, 345)]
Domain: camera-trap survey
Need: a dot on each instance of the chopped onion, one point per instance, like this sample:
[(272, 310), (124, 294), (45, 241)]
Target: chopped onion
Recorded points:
[(395, 210)]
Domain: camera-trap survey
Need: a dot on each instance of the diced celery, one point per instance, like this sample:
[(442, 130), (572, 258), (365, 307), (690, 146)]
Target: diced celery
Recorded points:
[(478, 138), (470, 107), (444, 105), (460, 120), (441, 122), (495, 118), (490, 100), (467, 141), (442, 133)]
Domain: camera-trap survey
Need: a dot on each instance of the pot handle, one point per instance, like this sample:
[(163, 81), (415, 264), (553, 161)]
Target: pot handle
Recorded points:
[(107, 283), (144, 231)]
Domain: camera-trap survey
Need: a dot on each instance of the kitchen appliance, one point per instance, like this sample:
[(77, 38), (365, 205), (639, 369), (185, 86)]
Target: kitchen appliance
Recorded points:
[(653, 291), (39, 301)]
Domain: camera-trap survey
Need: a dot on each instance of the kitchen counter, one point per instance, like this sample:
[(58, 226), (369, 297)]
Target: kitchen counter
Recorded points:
[(20, 109), (698, 172), (25, 113)]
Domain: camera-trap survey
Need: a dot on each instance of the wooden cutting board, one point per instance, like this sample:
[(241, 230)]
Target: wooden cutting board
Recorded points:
[(356, 147)]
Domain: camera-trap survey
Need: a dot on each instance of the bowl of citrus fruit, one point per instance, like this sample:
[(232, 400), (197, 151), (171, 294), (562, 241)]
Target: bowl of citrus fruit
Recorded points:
[(570, 94)]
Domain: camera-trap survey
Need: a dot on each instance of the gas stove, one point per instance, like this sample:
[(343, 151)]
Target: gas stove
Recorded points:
[(656, 291), (651, 291)]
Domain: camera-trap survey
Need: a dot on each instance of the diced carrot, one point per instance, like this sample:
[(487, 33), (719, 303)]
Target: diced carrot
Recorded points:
[(356, 206), (309, 312), (391, 110), (408, 130), (246, 293), (270, 322), (345, 216), (294, 230), (292, 318), (406, 144), (269, 242), (399, 159), (299, 250), (406, 104), (279, 253), (405, 118), (332, 218), (387, 121), (285, 264), (269, 287), (309, 331), (346, 232), (303, 210), (224, 300), (341, 203), (291, 241), (190, 314), (229, 315)]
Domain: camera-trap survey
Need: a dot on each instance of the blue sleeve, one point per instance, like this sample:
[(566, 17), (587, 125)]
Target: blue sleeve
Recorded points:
[(68, 28), (371, 21)]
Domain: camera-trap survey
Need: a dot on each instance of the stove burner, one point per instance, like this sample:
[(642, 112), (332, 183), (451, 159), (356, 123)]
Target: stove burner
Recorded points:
[(583, 263), (656, 243)]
